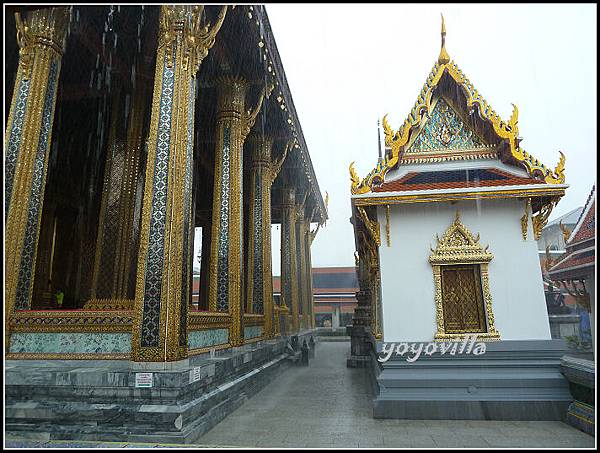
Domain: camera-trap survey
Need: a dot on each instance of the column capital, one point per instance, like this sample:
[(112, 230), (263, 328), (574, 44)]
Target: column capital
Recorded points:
[(43, 27), (260, 148), (288, 197), (231, 98), (197, 40)]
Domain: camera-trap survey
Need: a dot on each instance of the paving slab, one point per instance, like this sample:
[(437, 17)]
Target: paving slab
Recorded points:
[(327, 405)]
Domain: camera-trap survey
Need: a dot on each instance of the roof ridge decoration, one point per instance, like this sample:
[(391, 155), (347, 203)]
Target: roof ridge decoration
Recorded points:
[(509, 131)]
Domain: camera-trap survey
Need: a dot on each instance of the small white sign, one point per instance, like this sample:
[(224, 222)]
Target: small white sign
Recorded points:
[(196, 374), (143, 379)]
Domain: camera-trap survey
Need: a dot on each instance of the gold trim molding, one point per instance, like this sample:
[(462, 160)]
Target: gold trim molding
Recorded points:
[(525, 219), (203, 320), (544, 191), (75, 321)]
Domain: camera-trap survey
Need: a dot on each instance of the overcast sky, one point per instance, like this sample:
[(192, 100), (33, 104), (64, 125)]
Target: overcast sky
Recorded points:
[(348, 65)]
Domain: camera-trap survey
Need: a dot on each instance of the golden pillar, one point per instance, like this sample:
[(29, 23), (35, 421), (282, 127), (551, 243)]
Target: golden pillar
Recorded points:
[(40, 36), (163, 275), (309, 282), (226, 260), (259, 278), (302, 227), (259, 275), (289, 279), (226, 238)]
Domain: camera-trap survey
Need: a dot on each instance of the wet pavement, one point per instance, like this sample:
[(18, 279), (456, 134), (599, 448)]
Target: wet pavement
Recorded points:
[(328, 405)]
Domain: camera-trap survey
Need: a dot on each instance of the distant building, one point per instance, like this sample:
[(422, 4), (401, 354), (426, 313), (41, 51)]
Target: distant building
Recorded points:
[(575, 269), (334, 295), (551, 245), (552, 234)]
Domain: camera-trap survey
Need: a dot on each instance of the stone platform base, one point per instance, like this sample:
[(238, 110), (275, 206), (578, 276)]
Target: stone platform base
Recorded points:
[(512, 380), (581, 375), (98, 400)]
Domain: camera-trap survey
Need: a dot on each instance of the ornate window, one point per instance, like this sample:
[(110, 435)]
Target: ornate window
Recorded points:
[(462, 294)]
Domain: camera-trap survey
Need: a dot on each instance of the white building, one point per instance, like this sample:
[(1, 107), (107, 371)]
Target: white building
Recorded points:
[(446, 230)]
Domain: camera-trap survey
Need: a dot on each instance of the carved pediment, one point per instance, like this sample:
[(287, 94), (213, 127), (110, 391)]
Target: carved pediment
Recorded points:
[(444, 130), (458, 245)]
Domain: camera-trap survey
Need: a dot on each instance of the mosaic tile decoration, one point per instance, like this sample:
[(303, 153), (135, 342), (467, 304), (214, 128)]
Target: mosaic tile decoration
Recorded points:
[(187, 228), (112, 224), (223, 241), (198, 339), (155, 257), (257, 289), (252, 332), (287, 261), (35, 197), (70, 343), (14, 141), (445, 130), (298, 266)]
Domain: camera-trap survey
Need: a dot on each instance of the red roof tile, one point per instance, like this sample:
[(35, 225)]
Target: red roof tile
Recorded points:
[(587, 228), (440, 180), (575, 260)]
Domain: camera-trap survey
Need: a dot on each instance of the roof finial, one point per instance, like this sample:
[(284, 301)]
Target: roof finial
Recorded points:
[(444, 57)]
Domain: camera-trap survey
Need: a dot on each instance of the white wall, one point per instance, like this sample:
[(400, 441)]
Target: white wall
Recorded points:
[(515, 275)]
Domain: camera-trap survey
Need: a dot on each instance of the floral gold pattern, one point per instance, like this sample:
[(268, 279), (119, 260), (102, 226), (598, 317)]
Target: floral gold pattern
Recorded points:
[(459, 246)]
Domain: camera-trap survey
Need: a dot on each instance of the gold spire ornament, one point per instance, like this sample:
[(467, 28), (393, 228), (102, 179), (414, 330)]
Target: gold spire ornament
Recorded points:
[(444, 57)]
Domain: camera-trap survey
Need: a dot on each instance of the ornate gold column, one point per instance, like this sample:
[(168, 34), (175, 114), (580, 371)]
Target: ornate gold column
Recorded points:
[(258, 268), (302, 228), (163, 277), (226, 261), (226, 244), (289, 282), (308, 240), (40, 36)]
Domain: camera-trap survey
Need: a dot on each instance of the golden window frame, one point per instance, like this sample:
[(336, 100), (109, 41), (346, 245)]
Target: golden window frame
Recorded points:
[(459, 246)]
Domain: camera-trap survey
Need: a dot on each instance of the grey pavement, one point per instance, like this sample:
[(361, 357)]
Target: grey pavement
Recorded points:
[(328, 405)]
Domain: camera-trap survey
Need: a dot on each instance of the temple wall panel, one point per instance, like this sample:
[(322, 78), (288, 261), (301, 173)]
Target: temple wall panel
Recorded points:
[(70, 343), (200, 339), (407, 282), (251, 332)]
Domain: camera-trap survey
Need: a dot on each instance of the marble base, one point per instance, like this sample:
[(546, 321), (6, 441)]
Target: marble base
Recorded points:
[(98, 400), (513, 380), (581, 374)]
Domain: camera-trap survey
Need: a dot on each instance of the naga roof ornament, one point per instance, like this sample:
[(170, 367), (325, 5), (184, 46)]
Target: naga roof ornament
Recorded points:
[(508, 131)]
